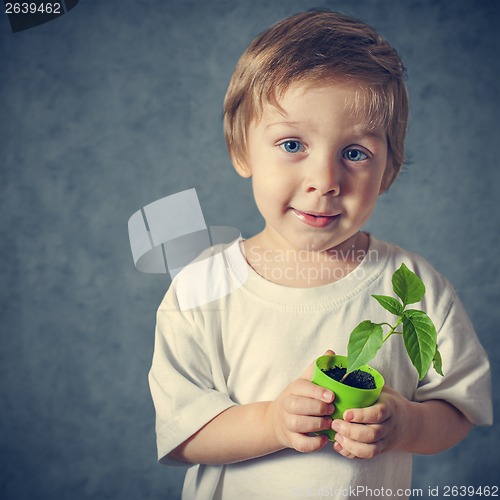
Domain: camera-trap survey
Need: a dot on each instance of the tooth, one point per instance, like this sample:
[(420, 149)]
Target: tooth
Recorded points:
[(299, 216)]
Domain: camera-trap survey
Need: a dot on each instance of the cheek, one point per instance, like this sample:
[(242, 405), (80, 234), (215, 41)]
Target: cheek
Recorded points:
[(273, 196), (261, 194), (273, 186), (366, 197)]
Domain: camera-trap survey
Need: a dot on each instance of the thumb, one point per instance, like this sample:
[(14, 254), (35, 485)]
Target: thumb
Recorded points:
[(309, 371)]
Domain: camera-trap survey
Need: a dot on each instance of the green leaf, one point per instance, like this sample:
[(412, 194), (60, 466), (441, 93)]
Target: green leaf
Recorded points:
[(437, 362), (389, 303), (419, 336), (365, 340), (407, 286)]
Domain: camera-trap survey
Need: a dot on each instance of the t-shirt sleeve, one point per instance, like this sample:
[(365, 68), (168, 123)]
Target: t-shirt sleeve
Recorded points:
[(181, 378), (466, 383)]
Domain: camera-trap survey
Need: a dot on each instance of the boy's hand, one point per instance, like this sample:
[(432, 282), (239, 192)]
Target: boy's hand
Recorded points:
[(367, 432), (303, 407)]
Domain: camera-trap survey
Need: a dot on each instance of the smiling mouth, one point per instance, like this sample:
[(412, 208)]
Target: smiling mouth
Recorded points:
[(314, 219)]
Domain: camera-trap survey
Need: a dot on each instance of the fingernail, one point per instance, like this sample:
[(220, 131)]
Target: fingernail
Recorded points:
[(328, 395), (337, 426), (349, 415), (337, 447)]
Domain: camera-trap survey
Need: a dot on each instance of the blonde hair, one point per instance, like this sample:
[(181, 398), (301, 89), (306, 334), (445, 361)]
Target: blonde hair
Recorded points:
[(317, 47)]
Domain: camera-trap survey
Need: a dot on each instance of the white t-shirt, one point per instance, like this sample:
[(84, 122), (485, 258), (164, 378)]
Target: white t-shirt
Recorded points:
[(226, 336)]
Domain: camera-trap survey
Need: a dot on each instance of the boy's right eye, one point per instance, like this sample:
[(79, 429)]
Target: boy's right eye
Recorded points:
[(292, 146)]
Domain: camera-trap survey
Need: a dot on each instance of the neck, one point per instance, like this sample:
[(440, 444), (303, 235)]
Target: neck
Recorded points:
[(303, 268)]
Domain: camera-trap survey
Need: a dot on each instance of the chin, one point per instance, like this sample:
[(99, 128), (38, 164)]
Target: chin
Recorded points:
[(317, 246)]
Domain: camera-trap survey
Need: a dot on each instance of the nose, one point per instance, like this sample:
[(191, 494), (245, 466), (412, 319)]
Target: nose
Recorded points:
[(323, 176)]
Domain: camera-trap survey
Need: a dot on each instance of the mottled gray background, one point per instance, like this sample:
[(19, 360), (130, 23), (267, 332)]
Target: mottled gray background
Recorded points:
[(118, 103)]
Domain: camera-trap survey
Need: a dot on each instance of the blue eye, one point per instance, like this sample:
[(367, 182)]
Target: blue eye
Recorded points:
[(354, 155), (292, 146)]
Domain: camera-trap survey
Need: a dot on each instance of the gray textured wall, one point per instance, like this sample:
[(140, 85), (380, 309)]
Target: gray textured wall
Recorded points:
[(117, 104)]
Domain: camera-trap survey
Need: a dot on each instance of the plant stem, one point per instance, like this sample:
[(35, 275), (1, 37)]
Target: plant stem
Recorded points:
[(387, 324), (393, 328), (392, 331)]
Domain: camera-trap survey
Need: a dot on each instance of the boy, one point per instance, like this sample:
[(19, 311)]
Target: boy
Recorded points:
[(315, 114)]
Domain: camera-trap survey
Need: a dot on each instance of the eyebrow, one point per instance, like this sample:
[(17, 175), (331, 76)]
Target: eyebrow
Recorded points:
[(288, 124), (362, 131), (377, 133)]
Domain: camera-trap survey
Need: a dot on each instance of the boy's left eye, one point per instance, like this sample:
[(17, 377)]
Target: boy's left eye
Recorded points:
[(292, 146), (354, 155)]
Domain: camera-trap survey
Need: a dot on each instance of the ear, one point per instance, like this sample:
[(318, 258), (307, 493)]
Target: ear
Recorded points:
[(242, 168), (388, 177), (383, 186)]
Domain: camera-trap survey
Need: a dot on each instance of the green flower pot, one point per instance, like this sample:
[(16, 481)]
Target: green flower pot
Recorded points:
[(346, 397)]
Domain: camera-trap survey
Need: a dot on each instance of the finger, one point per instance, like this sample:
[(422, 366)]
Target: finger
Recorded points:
[(340, 450), (375, 414), (302, 424), (362, 433), (308, 372), (307, 444), (307, 389), (354, 449), (299, 405)]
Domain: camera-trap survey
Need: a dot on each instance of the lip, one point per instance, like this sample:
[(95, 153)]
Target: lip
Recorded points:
[(315, 219)]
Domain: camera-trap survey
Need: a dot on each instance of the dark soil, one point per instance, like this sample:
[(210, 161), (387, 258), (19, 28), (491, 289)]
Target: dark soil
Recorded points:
[(357, 378)]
